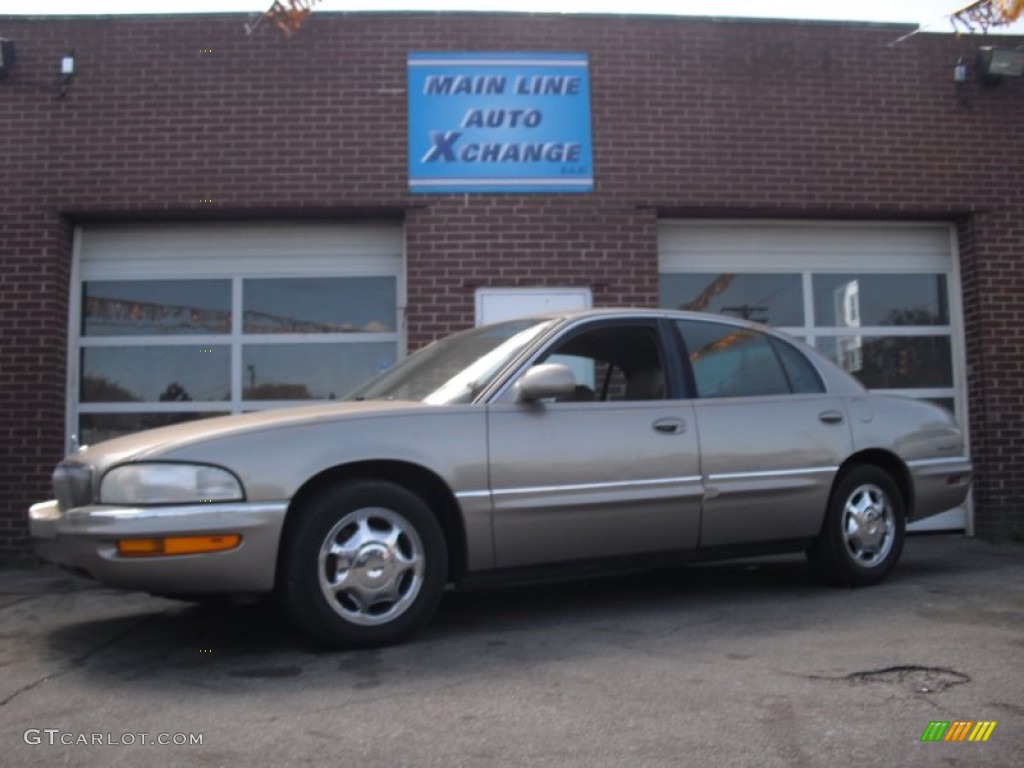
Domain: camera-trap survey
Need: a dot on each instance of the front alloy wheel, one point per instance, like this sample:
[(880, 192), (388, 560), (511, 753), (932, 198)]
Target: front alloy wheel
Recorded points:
[(363, 564), (371, 566), (862, 536)]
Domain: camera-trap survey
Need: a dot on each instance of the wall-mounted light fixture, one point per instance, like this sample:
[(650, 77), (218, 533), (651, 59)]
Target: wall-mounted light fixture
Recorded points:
[(67, 66), (6, 57), (960, 79), (67, 71), (960, 71), (997, 63)]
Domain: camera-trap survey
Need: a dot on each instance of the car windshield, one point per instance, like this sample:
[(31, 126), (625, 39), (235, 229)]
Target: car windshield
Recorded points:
[(454, 369)]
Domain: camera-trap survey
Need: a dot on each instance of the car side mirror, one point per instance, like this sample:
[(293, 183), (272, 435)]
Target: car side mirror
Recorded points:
[(546, 380)]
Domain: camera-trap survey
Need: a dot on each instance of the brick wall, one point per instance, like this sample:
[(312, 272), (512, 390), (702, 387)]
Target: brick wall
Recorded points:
[(992, 246), (690, 118)]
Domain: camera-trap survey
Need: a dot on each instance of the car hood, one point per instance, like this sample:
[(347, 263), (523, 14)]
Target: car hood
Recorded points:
[(154, 443)]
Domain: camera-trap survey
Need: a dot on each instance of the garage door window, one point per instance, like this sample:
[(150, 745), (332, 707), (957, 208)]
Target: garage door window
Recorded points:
[(157, 352), (156, 307), (892, 331), (315, 338), (852, 300), (775, 299)]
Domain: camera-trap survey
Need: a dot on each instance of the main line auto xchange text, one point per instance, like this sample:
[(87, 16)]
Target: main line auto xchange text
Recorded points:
[(444, 144)]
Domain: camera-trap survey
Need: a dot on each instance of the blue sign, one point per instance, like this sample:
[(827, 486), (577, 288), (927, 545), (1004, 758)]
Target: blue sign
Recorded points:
[(499, 122)]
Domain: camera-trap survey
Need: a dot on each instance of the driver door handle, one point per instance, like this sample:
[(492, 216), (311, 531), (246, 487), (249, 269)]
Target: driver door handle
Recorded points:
[(670, 426)]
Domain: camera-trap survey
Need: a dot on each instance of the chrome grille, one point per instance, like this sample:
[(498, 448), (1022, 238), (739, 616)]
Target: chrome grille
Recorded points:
[(72, 485)]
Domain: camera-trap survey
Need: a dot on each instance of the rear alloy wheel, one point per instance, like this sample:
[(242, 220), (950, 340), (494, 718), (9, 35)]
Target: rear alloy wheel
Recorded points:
[(365, 566), (862, 538)]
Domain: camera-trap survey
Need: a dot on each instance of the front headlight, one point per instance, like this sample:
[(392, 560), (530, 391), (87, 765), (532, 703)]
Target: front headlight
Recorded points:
[(155, 483)]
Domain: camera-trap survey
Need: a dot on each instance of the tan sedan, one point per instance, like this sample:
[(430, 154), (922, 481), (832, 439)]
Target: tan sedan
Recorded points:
[(615, 437)]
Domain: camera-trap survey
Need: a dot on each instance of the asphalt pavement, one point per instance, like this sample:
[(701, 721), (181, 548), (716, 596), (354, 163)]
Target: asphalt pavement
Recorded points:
[(739, 664)]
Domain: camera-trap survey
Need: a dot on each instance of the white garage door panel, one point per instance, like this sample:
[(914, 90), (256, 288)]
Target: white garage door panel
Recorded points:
[(811, 246), (705, 250), (222, 250), (171, 322)]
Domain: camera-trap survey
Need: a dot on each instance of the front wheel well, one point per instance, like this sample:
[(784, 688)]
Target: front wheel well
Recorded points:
[(889, 463), (414, 478)]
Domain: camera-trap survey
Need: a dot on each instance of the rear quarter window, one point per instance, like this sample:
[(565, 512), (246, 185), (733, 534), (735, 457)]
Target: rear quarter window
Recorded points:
[(803, 376)]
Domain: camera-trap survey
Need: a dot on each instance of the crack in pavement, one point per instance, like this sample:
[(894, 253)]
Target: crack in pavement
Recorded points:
[(80, 660)]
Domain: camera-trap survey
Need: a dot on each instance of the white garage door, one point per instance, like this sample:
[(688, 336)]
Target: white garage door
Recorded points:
[(177, 322), (881, 300)]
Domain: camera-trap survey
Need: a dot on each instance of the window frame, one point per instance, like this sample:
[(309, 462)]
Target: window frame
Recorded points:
[(667, 348), (235, 252)]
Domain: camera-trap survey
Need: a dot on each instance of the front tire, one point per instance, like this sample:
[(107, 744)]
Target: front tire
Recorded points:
[(365, 565), (865, 525)]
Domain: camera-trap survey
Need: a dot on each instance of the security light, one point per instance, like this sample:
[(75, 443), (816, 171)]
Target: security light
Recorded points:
[(994, 63)]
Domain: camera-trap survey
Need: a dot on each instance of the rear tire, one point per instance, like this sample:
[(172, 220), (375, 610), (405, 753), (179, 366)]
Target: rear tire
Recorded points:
[(365, 565), (865, 525)]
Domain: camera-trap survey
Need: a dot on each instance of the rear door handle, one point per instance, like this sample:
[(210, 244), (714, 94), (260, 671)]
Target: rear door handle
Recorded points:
[(831, 417), (670, 426)]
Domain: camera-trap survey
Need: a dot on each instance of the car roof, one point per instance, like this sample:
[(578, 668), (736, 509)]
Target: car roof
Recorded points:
[(644, 312)]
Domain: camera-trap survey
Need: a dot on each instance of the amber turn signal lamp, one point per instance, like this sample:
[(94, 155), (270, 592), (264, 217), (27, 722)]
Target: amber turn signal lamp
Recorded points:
[(177, 545)]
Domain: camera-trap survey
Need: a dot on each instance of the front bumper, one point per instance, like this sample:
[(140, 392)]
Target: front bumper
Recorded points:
[(85, 540)]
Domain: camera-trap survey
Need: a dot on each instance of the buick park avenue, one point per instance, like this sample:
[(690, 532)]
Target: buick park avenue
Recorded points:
[(599, 437)]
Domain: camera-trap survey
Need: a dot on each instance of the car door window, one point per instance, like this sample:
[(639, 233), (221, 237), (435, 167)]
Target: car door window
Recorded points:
[(730, 361), (613, 363)]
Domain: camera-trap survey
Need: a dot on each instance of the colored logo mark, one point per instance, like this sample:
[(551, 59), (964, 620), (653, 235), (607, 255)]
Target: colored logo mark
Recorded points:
[(958, 730)]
